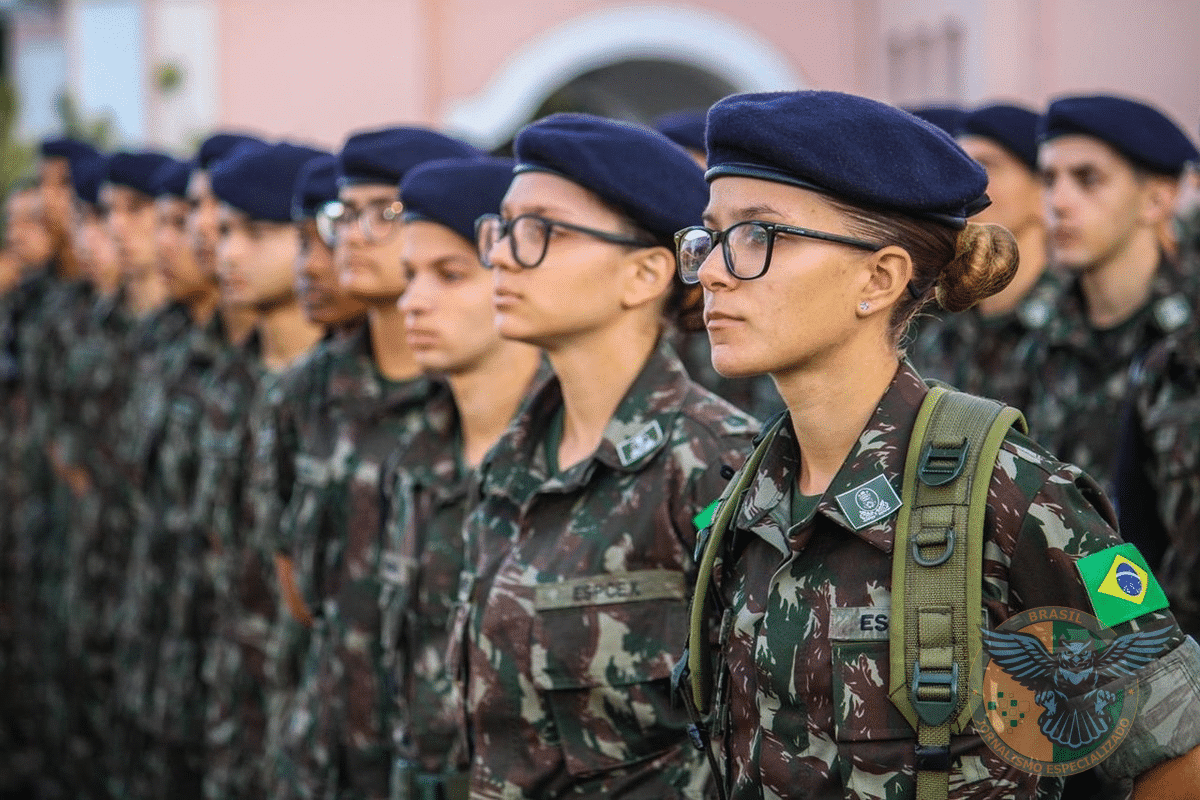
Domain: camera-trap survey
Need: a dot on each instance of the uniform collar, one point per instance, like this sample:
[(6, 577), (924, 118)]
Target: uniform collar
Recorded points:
[(881, 449), (639, 429), (1159, 314), (355, 380)]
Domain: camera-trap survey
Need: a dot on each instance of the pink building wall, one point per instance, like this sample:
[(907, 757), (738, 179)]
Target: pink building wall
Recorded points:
[(389, 61)]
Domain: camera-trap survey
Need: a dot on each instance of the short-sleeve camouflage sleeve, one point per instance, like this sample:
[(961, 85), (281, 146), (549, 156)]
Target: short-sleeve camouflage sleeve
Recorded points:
[(1068, 519)]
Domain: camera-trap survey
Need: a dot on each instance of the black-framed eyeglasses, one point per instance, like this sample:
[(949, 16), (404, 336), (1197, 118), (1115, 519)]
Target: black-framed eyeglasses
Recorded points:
[(529, 237), (375, 221), (747, 247)]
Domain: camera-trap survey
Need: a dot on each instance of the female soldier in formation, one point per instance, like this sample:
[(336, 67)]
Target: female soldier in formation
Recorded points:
[(581, 544), (811, 217)]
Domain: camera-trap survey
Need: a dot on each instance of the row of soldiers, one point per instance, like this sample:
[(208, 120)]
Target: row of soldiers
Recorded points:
[(211, 404)]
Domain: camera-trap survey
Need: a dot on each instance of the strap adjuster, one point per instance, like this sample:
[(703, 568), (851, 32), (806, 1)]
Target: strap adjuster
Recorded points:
[(934, 693), (940, 465)]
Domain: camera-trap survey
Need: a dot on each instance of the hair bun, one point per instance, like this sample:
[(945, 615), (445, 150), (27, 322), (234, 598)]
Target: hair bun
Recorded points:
[(985, 261)]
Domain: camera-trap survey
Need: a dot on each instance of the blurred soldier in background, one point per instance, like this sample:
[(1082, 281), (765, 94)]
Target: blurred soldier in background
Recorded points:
[(365, 403), (1110, 167), (451, 329), (981, 351), (257, 249), (28, 248), (155, 356), (271, 475), (42, 304)]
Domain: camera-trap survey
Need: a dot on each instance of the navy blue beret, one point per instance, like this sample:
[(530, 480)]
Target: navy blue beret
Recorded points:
[(220, 145), (172, 178), (642, 173), (1012, 127), (384, 156), (1137, 131), (260, 181), (862, 151), (86, 176), (455, 192), (316, 185), (949, 117), (684, 128), (72, 150), (136, 170)]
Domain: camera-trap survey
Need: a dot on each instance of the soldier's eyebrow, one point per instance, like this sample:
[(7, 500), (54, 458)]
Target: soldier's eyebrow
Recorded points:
[(757, 211), (508, 212)]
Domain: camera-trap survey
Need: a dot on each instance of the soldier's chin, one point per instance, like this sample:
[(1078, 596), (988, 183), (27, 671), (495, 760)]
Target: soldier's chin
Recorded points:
[(729, 362)]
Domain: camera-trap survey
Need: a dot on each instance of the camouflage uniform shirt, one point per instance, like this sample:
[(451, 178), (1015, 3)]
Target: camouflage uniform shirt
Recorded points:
[(808, 712), (426, 495), (349, 423), (1081, 379), (575, 608), (987, 356), (1166, 423)]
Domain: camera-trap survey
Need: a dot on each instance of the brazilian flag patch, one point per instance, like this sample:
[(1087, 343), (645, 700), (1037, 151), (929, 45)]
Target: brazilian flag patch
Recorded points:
[(1120, 584)]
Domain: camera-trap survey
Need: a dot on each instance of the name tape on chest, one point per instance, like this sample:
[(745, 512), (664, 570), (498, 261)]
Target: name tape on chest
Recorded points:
[(603, 590), (869, 502), (864, 624)]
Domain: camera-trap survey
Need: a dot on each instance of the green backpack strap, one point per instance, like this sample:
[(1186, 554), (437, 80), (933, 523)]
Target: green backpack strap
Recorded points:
[(937, 571), (699, 652)]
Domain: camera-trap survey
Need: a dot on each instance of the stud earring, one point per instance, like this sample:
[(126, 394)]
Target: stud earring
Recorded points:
[(864, 306)]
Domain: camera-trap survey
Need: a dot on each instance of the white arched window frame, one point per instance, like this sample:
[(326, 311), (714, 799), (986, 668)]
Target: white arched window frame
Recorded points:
[(699, 38)]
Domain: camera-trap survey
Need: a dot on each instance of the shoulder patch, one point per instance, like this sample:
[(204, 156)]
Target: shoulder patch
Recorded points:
[(1035, 313), (1120, 585), (869, 502), (641, 443), (1172, 313)]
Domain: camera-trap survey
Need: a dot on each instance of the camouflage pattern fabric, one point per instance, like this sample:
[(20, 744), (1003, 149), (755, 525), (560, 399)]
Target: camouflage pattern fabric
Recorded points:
[(986, 356), (574, 609), (806, 711), (1081, 378), (426, 496), (39, 534), (332, 530), (270, 480), (163, 619), (26, 479), (242, 583), (1166, 421), (9, 704), (95, 386)]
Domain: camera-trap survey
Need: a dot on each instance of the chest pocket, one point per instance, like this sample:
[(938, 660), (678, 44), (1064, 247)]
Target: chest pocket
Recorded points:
[(602, 657), (862, 711)]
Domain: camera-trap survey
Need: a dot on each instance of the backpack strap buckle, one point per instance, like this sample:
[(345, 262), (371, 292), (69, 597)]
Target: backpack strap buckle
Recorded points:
[(940, 465), (934, 693)]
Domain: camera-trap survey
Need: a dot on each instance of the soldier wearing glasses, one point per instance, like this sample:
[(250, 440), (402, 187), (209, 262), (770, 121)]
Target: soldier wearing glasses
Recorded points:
[(807, 216), (580, 548), (350, 413)]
